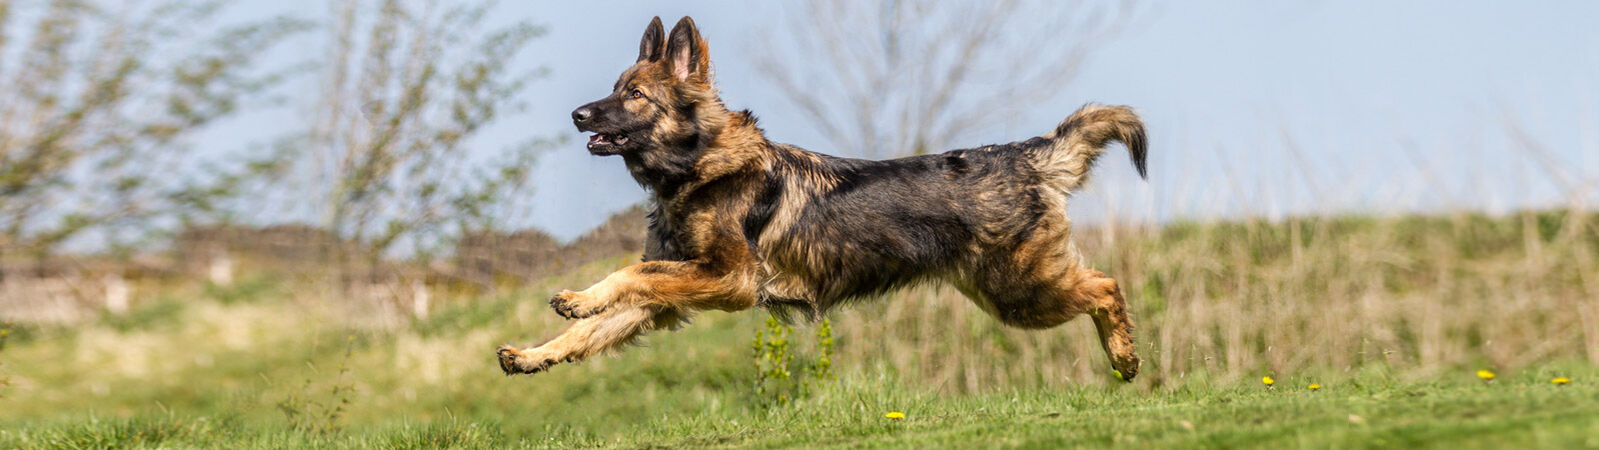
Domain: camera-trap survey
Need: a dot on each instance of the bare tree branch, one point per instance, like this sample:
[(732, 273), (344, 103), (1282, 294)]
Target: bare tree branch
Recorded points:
[(388, 134), (908, 77)]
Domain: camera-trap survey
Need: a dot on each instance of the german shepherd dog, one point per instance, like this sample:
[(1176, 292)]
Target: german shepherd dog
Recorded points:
[(739, 221)]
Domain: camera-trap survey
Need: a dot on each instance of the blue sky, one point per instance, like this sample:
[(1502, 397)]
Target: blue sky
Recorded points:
[(1258, 108)]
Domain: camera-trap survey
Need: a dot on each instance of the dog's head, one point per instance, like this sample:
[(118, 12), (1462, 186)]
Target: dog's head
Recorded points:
[(656, 102)]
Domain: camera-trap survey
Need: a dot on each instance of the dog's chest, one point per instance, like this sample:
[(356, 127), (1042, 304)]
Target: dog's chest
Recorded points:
[(665, 238)]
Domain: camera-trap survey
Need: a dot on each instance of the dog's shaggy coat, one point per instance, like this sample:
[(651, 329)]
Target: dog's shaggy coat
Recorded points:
[(740, 221)]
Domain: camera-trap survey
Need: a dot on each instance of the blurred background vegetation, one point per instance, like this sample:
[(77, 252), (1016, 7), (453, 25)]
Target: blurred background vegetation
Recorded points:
[(388, 305)]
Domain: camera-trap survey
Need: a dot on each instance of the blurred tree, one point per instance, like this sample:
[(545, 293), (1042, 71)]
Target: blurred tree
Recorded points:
[(98, 100), (405, 87), (882, 79)]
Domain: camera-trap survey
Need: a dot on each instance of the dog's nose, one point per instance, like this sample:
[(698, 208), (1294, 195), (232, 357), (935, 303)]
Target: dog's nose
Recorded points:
[(582, 115)]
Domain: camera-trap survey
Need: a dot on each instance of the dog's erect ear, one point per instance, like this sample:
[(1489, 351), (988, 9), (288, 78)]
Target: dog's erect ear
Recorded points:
[(654, 43), (686, 52)]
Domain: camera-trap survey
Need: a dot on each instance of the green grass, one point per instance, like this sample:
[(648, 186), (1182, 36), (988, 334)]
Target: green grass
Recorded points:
[(1365, 411)]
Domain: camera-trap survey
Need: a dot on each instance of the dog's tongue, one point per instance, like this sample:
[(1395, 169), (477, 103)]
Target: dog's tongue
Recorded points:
[(596, 139)]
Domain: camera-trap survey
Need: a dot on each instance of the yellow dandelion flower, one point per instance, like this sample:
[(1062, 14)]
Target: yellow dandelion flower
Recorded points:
[(896, 415), (1485, 375), (1314, 386), (1268, 381), (1560, 380)]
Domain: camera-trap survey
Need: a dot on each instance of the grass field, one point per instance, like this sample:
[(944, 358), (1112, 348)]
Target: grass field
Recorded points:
[(1371, 409), (279, 390), (1524, 411), (1393, 318)]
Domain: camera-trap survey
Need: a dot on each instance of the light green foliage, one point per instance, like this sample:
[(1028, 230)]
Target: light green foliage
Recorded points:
[(773, 379), (822, 369), (779, 377), (409, 85), (115, 89)]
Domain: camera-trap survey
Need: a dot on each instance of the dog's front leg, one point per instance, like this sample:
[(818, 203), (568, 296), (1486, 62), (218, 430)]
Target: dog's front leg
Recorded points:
[(672, 284), (586, 338)]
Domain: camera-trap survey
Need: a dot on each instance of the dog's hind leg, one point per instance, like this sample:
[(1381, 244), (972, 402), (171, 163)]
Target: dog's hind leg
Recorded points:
[(587, 337), (1109, 310), (1047, 298)]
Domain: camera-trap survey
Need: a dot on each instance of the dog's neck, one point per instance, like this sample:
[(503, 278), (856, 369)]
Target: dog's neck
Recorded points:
[(721, 143)]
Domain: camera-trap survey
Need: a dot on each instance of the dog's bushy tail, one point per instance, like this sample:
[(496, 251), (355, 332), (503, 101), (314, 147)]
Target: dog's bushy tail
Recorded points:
[(1079, 140)]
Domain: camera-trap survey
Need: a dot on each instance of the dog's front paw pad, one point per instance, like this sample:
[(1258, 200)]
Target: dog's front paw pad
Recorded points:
[(513, 362), (568, 304), (508, 356)]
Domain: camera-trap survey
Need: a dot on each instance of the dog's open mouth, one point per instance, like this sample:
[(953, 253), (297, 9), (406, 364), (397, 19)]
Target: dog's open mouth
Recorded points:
[(602, 142)]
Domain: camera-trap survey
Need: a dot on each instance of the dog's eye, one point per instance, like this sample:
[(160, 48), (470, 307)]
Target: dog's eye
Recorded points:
[(637, 94)]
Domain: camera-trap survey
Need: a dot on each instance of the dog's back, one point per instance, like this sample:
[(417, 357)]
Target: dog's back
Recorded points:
[(861, 227)]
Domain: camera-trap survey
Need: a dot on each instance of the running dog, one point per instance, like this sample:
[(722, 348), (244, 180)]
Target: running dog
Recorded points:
[(738, 221)]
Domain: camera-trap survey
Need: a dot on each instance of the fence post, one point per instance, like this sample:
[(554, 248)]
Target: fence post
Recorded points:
[(221, 270), (116, 293), (419, 299)]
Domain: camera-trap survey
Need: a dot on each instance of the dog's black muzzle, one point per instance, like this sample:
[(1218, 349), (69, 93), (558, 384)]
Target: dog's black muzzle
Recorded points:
[(592, 118)]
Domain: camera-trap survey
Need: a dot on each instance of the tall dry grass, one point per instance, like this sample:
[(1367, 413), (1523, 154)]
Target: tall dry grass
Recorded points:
[(1412, 294), (1228, 300)]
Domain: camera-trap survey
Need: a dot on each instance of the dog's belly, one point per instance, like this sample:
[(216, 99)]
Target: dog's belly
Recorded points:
[(788, 289), (821, 273)]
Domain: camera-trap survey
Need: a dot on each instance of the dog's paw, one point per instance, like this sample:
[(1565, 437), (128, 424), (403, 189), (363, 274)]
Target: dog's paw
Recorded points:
[(1127, 368), (574, 305), (514, 361)]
